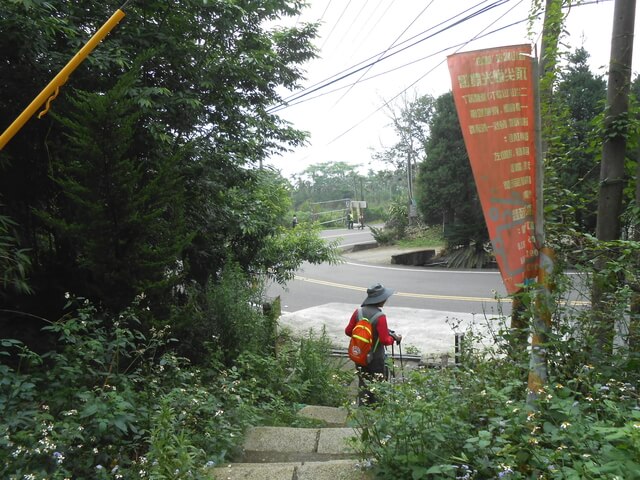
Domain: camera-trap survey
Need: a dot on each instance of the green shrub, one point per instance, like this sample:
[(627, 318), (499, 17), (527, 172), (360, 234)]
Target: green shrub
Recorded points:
[(111, 402), (14, 261), (474, 422), (383, 236), (223, 319), (88, 409), (321, 383), (300, 373), (419, 235)]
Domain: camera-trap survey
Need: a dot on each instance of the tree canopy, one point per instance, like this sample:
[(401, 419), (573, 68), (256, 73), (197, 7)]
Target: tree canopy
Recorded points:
[(143, 179), (445, 188)]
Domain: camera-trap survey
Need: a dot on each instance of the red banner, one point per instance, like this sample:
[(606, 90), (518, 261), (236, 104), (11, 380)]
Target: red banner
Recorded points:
[(494, 97)]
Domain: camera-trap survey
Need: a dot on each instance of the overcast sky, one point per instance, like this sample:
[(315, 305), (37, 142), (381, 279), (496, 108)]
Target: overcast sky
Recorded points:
[(347, 120)]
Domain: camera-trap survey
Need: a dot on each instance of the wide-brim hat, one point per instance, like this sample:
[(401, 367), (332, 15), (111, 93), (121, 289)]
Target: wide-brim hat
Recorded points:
[(377, 293)]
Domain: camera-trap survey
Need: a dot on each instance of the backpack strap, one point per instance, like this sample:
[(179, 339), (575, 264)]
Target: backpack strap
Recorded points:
[(374, 326), (375, 316)]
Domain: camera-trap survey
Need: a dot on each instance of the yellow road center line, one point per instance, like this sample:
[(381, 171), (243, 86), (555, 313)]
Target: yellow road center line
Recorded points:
[(402, 294), (421, 295)]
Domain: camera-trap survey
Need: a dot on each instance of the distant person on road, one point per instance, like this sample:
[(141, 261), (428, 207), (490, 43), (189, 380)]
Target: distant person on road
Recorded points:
[(361, 222), (349, 221), (294, 222), (377, 296)]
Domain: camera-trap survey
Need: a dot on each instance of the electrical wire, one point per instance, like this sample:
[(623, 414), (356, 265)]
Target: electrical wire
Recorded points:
[(462, 44), (400, 67), (329, 81), (386, 102), (325, 11), (459, 47), (335, 25), (348, 30), (366, 22), (383, 53), (345, 73), (475, 37)]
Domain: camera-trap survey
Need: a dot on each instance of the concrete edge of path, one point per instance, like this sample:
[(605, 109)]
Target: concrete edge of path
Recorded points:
[(430, 332)]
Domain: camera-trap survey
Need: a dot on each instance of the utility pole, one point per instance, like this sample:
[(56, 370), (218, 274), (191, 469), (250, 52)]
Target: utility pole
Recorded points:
[(412, 209), (612, 166), (409, 180), (614, 146)]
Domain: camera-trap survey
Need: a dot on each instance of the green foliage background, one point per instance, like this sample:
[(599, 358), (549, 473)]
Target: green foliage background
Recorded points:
[(141, 195)]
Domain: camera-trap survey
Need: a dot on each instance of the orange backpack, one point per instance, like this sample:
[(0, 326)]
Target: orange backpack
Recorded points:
[(361, 344)]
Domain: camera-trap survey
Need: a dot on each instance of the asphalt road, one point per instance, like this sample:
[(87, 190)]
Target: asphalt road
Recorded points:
[(468, 291), (428, 308)]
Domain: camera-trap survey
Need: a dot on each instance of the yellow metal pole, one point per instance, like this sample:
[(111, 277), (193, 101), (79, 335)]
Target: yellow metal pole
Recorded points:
[(60, 79)]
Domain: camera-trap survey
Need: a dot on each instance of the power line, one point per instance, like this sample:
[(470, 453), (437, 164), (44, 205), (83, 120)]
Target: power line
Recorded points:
[(345, 73), (325, 11), (325, 83), (366, 22), (383, 53), (458, 46), (297, 95), (475, 37), (293, 103), (386, 103), (335, 25), (400, 67), (348, 30)]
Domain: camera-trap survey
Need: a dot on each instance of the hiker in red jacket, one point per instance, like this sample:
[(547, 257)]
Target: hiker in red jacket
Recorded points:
[(371, 307)]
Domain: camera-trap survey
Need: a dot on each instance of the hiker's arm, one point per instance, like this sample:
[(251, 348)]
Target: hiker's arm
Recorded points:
[(352, 323), (383, 331), (396, 336)]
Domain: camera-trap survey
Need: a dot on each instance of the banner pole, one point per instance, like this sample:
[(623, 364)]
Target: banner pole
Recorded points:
[(50, 91), (541, 321)]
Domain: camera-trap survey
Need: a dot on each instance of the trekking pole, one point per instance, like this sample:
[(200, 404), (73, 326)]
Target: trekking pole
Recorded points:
[(401, 363), (393, 363)]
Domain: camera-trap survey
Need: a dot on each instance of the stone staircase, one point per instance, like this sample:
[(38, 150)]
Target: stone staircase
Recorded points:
[(285, 453)]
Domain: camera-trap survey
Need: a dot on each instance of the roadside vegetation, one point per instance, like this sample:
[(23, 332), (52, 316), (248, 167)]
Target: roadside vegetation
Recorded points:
[(111, 401), (482, 420), (138, 231), (475, 421)]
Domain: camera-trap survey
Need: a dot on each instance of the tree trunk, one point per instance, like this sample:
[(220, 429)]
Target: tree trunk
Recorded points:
[(634, 321), (612, 168)]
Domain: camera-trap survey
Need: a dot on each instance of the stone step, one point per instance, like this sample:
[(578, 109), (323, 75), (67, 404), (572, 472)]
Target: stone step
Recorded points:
[(287, 444), (331, 416), (329, 470)]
